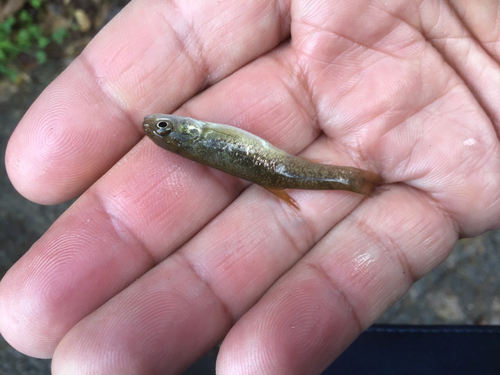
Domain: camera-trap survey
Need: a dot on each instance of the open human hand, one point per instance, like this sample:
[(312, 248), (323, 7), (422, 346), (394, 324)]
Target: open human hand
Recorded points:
[(161, 258)]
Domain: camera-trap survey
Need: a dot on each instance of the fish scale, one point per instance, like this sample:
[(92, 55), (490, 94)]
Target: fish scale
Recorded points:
[(244, 155)]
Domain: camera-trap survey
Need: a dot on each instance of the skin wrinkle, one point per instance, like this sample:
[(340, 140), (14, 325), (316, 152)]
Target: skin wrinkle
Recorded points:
[(316, 123), (194, 169), (114, 219), (299, 79), (407, 159), (342, 37), (366, 48), (497, 23), (312, 95), (403, 166), (311, 237), (316, 268), (282, 10), (388, 246), (496, 27), (198, 58), (239, 185), (282, 13), (493, 226), (181, 215), (101, 201), (454, 66), (310, 234), (230, 188), (274, 18), (461, 229), (290, 239), (302, 79), (111, 97), (230, 314), (439, 209), (195, 55), (312, 35), (416, 27), (352, 88), (353, 150), (258, 105), (465, 25)]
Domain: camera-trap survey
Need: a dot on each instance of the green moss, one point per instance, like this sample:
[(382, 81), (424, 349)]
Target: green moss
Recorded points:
[(20, 34)]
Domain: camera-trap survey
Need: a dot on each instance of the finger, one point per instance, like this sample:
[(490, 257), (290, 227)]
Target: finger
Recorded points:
[(466, 34), (424, 124), (84, 337), (150, 58), (141, 211), (480, 18), (148, 221), (340, 287), (280, 122), (159, 324)]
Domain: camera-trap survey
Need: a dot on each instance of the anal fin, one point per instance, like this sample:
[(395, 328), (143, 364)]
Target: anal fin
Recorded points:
[(282, 194)]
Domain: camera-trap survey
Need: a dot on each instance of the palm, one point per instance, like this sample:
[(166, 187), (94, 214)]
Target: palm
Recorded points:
[(161, 256)]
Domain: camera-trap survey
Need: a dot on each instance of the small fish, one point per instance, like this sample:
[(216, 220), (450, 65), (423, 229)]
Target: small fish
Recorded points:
[(244, 155)]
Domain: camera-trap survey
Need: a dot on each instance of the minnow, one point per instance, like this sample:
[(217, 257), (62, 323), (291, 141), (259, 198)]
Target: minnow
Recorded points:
[(244, 155)]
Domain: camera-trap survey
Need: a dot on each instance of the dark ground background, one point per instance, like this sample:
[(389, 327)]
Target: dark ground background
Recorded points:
[(465, 289)]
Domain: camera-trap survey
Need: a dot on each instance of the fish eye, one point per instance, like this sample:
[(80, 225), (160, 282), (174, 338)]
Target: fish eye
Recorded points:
[(164, 127)]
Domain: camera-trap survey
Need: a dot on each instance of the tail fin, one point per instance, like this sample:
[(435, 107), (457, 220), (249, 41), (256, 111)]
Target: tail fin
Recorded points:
[(367, 183)]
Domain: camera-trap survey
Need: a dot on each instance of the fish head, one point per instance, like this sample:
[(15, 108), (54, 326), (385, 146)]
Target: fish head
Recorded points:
[(171, 132)]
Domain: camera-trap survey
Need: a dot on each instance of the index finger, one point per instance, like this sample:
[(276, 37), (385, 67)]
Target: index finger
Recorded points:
[(90, 116)]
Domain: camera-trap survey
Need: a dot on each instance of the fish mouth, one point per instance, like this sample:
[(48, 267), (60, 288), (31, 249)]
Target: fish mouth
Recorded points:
[(148, 125)]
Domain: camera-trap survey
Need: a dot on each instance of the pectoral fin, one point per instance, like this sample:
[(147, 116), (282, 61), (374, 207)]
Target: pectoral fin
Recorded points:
[(317, 161), (282, 194)]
